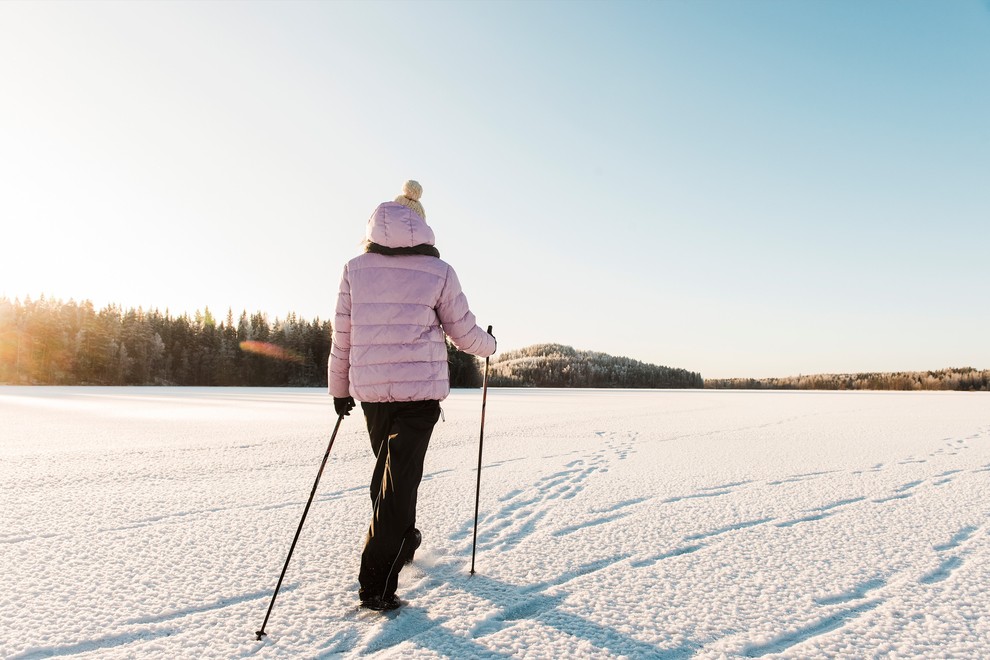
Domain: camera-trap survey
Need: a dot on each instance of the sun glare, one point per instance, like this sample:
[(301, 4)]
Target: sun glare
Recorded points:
[(271, 350)]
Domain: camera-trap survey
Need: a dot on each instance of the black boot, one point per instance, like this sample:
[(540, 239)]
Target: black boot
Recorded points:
[(381, 603), (412, 540)]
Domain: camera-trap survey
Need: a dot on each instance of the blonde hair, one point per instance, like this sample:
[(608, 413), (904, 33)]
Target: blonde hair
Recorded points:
[(411, 192)]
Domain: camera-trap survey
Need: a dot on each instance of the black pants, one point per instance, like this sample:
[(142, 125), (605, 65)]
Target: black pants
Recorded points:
[(400, 433)]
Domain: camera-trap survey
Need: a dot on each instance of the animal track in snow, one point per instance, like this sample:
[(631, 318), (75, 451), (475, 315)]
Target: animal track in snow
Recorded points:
[(822, 512), (840, 503), (799, 477), (943, 571), (901, 492), (695, 496), (858, 592), (945, 478), (958, 539), (728, 528), (811, 518), (522, 509), (676, 552), (949, 564)]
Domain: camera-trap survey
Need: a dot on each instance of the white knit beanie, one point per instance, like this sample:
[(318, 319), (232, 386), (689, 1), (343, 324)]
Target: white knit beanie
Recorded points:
[(411, 192)]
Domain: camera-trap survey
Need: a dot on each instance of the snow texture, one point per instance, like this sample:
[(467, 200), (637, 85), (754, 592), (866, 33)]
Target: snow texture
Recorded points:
[(145, 523)]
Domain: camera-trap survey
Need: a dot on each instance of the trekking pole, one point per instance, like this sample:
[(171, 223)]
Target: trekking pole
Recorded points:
[(481, 446), (261, 633)]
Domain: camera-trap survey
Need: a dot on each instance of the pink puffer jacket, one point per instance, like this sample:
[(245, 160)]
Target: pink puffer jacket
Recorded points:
[(392, 313)]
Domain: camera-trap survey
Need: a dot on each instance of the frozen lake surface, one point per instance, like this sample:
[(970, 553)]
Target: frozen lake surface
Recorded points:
[(143, 522)]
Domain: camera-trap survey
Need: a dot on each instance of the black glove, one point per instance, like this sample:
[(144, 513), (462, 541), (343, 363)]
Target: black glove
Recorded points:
[(343, 405)]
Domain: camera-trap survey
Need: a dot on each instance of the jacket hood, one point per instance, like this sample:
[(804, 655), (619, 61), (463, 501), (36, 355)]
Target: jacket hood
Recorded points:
[(395, 226)]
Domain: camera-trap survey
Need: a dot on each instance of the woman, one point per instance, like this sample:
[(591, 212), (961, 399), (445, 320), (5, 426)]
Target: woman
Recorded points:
[(395, 303)]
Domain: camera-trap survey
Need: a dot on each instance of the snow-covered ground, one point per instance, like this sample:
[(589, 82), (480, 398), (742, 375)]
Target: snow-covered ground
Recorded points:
[(643, 524)]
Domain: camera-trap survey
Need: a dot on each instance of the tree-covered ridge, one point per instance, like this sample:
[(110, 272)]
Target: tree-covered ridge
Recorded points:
[(964, 379), (554, 365)]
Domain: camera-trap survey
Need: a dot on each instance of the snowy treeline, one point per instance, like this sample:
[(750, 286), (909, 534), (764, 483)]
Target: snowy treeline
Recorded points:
[(50, 342), (554, 365), (965, 379)]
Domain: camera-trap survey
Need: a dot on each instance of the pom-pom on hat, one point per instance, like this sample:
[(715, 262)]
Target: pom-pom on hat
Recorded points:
[(411, 192)]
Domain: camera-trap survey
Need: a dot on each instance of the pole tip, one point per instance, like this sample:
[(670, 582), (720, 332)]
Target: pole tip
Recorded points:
[(260, 634)]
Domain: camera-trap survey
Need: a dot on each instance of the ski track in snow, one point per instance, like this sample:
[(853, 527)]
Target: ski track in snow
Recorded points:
[(631, 544)]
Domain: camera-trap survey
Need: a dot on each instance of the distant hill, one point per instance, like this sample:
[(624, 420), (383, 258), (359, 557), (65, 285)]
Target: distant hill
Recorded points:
[(965, 379), (554, 365)]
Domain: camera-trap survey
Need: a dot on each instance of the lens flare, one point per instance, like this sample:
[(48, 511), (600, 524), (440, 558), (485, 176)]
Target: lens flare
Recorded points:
[(271, 350)]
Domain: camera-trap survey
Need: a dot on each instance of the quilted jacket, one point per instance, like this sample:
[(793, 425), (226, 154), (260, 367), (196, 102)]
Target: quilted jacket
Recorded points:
[(392, 313)]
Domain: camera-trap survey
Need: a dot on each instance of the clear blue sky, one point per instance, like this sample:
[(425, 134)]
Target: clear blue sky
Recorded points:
[(740, 188)]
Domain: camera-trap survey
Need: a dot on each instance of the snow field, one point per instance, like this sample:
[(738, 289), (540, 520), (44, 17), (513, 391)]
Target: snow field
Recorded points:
[(145, 522)]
